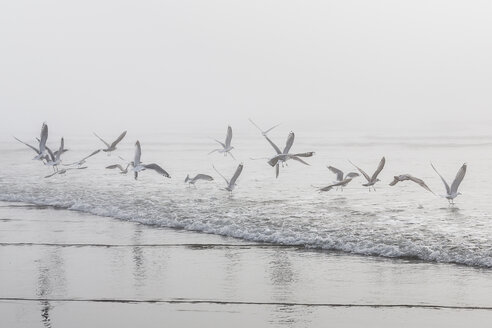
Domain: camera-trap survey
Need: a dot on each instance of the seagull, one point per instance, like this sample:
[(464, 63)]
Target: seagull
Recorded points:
[(123, 171), (340, 181), (232, 183), (226, 147), (82, 161), (263, 133), (111, 147), (53, 159), (371, 181), (139, 166), (284, 156), (63, 171), (41, 150), (192, 181), (404, 177), (452, 193)]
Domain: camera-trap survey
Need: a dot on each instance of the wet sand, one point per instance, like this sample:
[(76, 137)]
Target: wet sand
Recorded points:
[(62, 268)]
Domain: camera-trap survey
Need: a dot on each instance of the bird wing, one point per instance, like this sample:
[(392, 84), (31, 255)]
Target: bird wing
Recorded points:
[(255, 125), (28, 145), (52, 174), (273, 161), (44, 138), (60, 150), (270, 129), (368, 178), (299, 160), (273, 145), (138, 153), (107, 145), (277, 170), (338, 172), (114, 166), (448, 190), (223, 177), (395, 181), (289, 143), (352, 175), (203, 177), (236, 174), (459, 177), (308, 154), (92, 154), (228, 137), (379, 169), (118, 140), (327, 188), (221, 143), (420, 182), (158, 169), (50, 153)]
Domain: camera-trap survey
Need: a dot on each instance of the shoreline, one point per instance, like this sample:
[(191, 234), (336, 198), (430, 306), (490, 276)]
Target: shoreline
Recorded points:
[(69, 268)]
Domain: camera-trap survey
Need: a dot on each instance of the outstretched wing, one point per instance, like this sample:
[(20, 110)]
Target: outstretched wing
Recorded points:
[(92, 154), (368, 178), (44, 138), (107, 145), (228, 137), (60, 150), (52, 174), (138, 153), (352, 175), (420, 182), (379, 169), (223, 177), (395, 181), (158, 169), (448, 190), (236, 174), (118, 140), (270, 129), (308, 154), (289, 143), (203, 177), (114, 166), (273, 145), (338, 172), (273, 161), (28, 145), (299, 160), (457, 180)]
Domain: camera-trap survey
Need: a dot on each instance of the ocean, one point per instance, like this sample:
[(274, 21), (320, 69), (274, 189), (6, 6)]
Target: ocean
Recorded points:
[(404, 221)]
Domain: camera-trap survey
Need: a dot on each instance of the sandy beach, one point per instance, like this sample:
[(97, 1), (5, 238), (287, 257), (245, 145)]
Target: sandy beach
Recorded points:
[(62, 268)]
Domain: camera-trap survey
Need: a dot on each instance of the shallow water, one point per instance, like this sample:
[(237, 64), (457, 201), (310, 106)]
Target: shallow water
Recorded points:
[(401, 221)]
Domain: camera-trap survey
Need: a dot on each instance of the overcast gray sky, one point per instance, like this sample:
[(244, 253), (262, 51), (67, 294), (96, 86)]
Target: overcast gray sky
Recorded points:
[(154, 63)]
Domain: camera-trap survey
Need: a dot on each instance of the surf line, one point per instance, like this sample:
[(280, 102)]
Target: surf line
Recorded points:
[(218, 302)]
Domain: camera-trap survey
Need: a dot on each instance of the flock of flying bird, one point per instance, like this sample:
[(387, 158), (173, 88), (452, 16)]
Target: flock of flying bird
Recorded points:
[(53, 159)]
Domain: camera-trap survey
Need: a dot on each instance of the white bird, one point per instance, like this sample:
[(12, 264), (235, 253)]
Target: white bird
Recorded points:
[(283, 156), (226, 147), (63, 171), (83, 160), (231, 184), (341, 181), (138, 166), (452, 192), (54, 158), (192, 181), (371, 181), (122, 170), (405, 177), (41, 150), (263, 132), (111, 147)]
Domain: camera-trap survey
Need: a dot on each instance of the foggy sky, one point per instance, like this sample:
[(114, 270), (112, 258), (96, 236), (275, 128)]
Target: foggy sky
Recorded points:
[(148, 65)]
